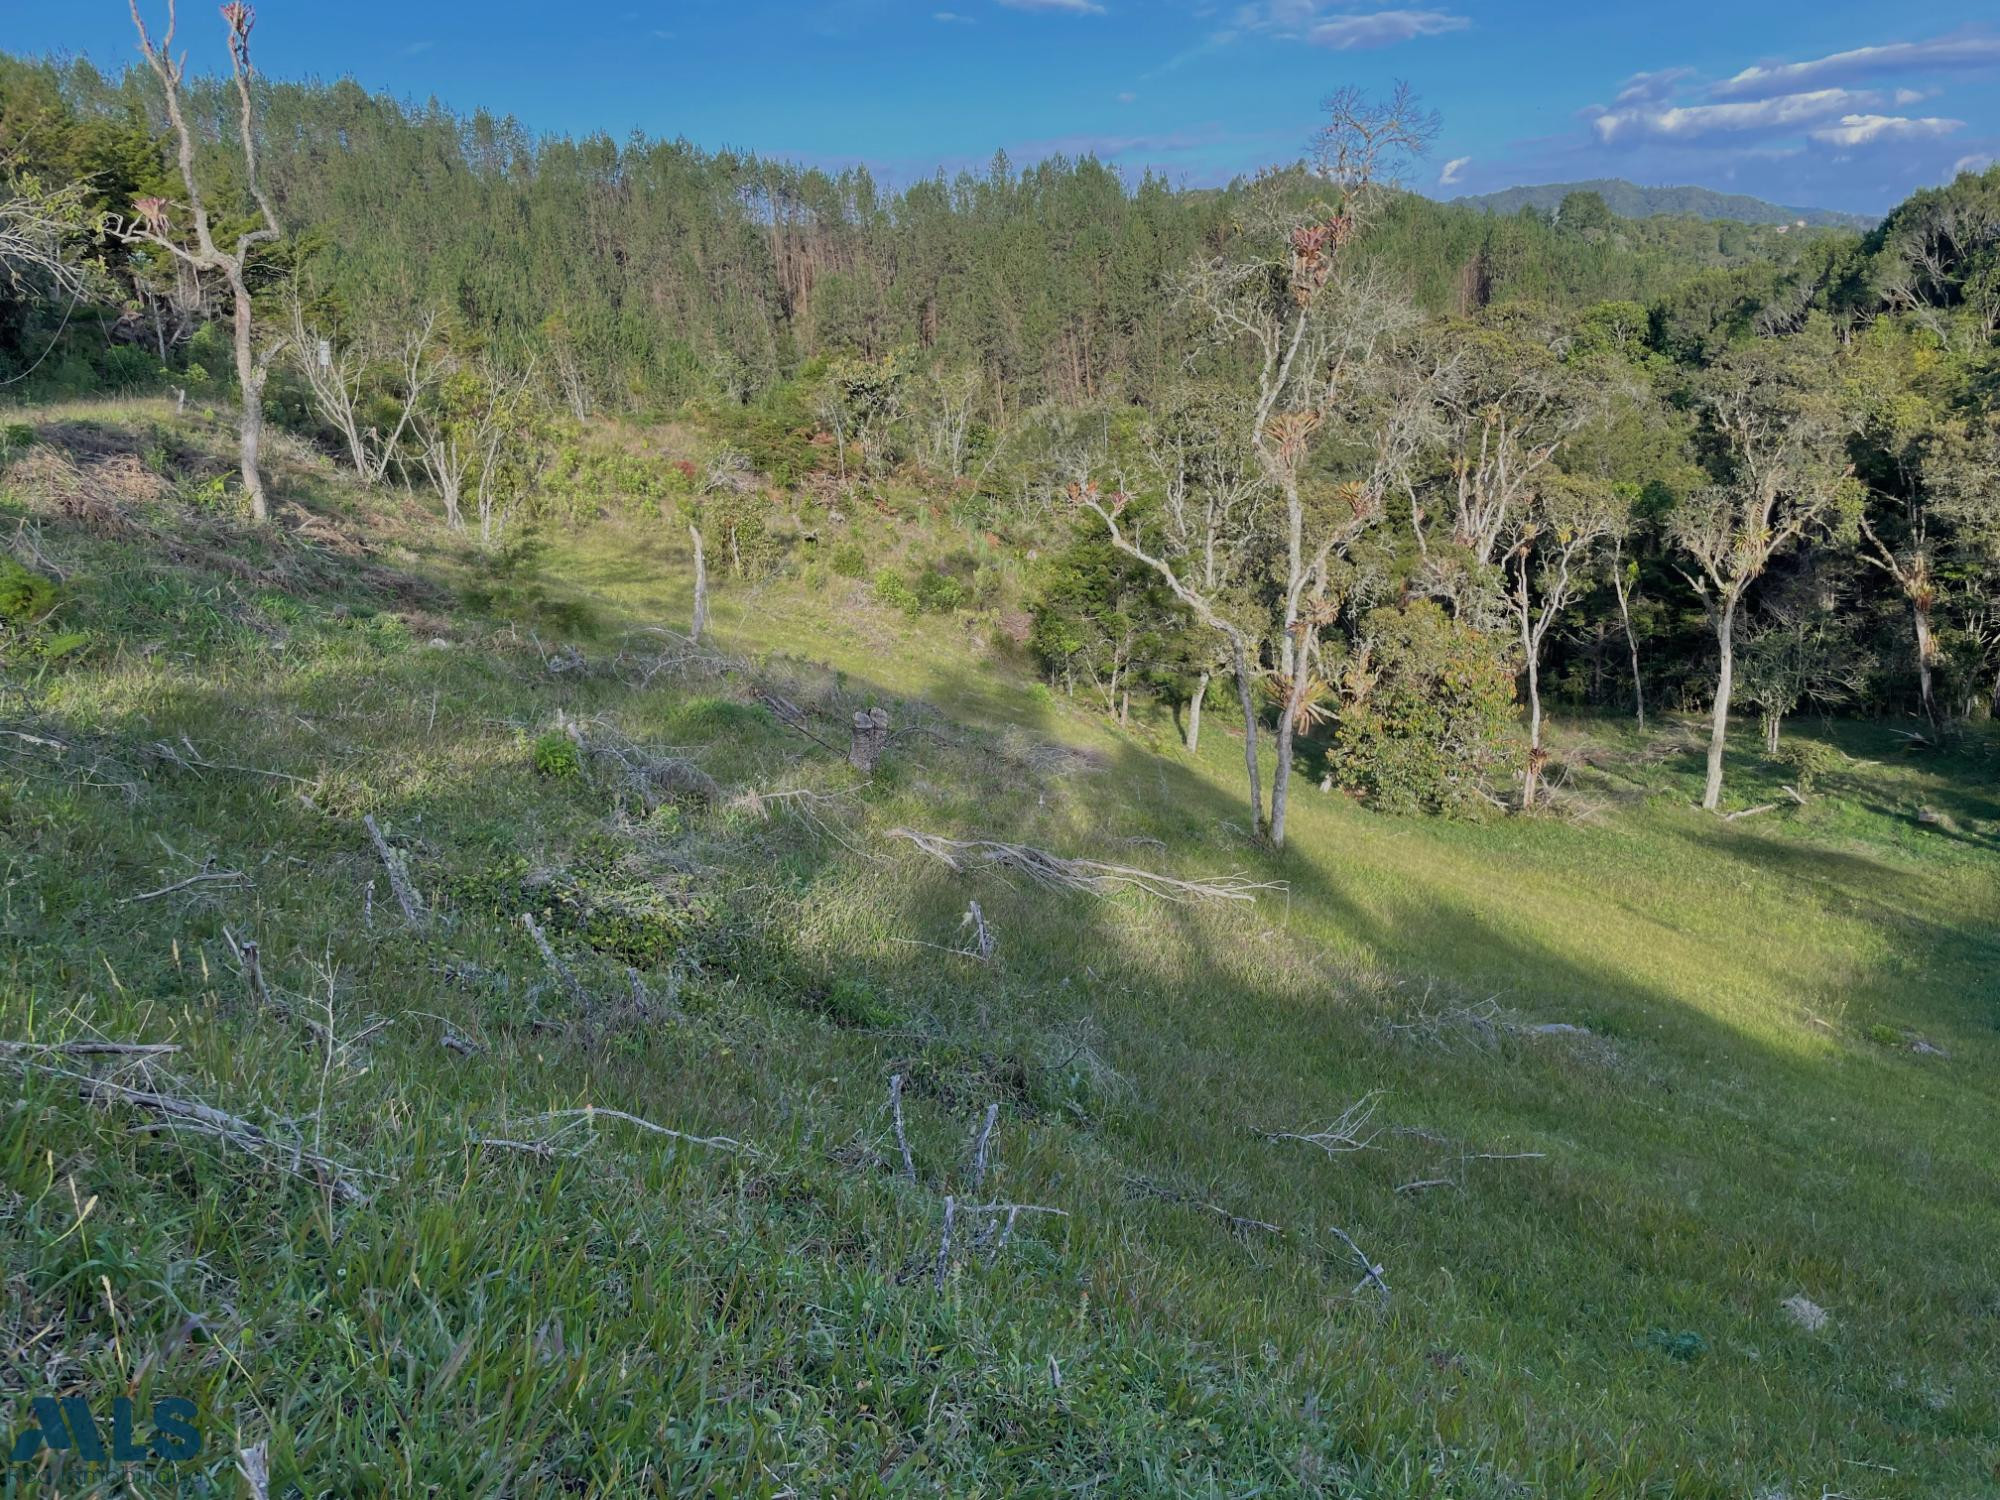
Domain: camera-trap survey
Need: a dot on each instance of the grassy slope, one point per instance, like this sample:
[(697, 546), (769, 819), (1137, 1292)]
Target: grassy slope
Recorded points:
[(1745, 1123)]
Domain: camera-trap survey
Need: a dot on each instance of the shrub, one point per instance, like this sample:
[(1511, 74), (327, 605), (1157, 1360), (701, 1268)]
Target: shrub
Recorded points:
[(1432, 711), (891, 589), (555, 755), (939, 593), (1808, 760), (849, 561), (25, 597), (14, 436)]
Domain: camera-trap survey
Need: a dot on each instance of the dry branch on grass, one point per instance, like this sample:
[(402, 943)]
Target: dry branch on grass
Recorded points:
[(896, 1113), (590, 1113), (1341, 1136), (399, 876), (572, 986), (653, 776), (1087, 876), (207, 875), (90, 1049), (171, 1112)]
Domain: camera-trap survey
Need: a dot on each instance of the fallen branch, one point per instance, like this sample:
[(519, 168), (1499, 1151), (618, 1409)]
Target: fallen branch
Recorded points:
[(1089, 876), (590, 1113), (557, 967), (1750, 812), (896, 1111), (981, 1142), (194, 760), (399, 878), (191, 1114), (93, 1049), (1146, 1187), (206, 875), (1371, 1272), (1340, 1137), (944, 1243), (541, 1149)]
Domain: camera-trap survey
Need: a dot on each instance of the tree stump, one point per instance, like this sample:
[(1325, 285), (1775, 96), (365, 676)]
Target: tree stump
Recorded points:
[(871, 738)]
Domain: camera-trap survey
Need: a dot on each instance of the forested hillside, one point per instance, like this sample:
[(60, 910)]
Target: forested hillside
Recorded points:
[(1630, 201)]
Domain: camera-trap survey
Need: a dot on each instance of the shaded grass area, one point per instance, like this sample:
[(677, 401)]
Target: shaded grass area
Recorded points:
[(1744, 1122)]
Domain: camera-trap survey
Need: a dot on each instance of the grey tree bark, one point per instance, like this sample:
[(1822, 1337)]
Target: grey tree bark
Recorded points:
[(1194, 713), (700, 587), (1725, 684)]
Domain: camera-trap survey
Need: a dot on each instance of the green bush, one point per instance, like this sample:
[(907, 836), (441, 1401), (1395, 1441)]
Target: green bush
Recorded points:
[(938, 593), (1808, 761), (893, 591), (25, 597), (849, 561), (14, 436), (555, 755), (1432, 712)]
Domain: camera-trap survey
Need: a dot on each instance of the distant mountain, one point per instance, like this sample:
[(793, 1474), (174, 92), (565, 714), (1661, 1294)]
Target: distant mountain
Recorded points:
[(1630, 201)]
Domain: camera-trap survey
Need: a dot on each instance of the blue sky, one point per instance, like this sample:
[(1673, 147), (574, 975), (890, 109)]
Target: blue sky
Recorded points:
[(1826, 103)]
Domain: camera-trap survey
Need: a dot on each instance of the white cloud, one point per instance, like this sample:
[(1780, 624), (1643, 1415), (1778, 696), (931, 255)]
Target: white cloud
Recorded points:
[(1128, 97), (1971, 164), (1067, 7), (1453, 171), (1652, 88), (1936, 55), (1310, 21), (951, 18), (1865, 130), (1383, 28), (1694, 122)]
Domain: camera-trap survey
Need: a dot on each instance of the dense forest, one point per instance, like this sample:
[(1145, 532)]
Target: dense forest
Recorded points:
[(1385, 465)]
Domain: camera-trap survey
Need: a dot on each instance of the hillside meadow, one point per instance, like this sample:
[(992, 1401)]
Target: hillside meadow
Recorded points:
[(1472, 1158)]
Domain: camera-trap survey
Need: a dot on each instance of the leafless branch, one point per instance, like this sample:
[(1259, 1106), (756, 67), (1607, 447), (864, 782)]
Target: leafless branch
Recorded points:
[(1082, 875)]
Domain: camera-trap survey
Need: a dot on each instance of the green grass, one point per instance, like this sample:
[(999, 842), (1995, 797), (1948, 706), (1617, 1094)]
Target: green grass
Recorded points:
[(1745, 1122)]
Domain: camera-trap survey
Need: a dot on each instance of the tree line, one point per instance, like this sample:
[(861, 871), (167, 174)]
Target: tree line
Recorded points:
[(1377, 464)]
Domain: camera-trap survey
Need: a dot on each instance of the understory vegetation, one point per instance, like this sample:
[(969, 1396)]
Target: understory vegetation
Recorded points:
[(673, 825)]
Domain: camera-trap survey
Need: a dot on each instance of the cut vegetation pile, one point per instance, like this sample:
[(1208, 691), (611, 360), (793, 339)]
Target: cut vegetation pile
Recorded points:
[(470, 1041)]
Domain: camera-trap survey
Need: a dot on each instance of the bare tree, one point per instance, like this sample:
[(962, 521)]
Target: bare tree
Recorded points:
[(39, 230), (338, 377), (1506, 407), (253, 365), (1780, 441), (1624, 574), (1318, 334), (1567, 520), (950, 401)]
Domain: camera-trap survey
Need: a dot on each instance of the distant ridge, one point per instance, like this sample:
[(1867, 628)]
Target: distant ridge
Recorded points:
[(1630, 201)]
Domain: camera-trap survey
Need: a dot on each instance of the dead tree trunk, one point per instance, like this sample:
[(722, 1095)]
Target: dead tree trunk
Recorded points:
[(204, 254), (700, 588)]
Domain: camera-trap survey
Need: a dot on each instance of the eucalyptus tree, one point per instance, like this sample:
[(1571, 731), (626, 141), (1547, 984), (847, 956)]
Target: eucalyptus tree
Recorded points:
[(1777, 444)]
